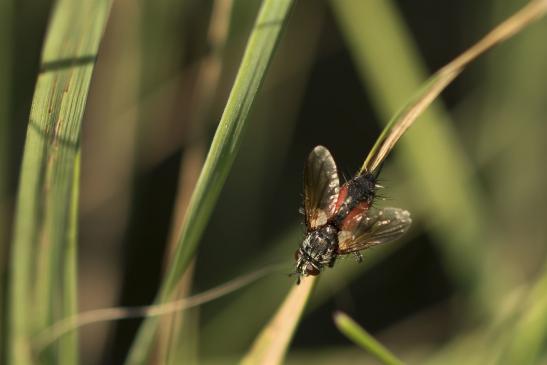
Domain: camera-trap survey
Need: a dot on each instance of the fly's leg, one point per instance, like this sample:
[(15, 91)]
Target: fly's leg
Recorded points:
[(332, 261), (358, 256)]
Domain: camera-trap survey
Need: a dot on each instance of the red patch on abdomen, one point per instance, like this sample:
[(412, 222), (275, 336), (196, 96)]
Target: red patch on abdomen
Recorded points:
[(342, 195), (353, 216)]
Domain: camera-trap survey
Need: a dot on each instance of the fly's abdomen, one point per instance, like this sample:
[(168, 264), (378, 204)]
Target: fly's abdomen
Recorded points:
[(354, 198)]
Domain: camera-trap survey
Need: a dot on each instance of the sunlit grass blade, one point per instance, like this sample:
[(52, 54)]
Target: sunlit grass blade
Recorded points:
[(276, 289), (273, 341), (68, 349), (398, 125), (352, 22), (43, 272), (220, 157), (362, 338), (391, 69), (264, 152)]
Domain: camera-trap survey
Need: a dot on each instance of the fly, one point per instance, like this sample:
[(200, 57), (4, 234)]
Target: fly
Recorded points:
[(340, 220)]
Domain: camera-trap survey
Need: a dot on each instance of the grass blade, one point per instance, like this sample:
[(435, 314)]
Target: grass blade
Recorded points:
[(272, 343), (530, 332), (69, 324), (398, 125), (263, 151), (363, 339), (256, 59), (392, 71), (349, 14), (43, 254)]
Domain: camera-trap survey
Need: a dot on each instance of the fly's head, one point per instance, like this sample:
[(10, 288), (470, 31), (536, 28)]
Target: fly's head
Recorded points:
[(317, 250)]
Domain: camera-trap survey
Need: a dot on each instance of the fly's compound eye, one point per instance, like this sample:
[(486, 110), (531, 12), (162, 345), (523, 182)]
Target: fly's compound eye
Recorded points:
[(312, 270), (297, 255)]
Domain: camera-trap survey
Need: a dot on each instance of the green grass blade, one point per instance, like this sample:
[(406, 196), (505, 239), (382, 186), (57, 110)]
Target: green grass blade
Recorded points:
[(43, 254), (390, 67), (68, 345), (362, 338), (224, 147), (387, 84), (262, 154), (529, 336), (273, 341)]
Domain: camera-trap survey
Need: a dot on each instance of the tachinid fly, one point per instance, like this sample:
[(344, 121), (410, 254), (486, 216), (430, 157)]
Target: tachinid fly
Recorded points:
[(340, 219)]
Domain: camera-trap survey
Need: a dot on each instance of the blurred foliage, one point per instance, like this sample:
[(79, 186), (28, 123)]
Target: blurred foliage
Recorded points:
[(467, 285), (363, 339)]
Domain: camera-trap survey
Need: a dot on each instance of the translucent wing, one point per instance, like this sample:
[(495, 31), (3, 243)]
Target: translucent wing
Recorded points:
[(375, 227), (321, 185)]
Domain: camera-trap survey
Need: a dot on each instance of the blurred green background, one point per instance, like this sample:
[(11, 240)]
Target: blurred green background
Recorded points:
[(467, 284)]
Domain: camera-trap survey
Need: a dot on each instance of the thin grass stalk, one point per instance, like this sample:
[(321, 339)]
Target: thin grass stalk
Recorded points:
[(41, 249), (398, 125), (257, 56), (392, 71), (59, 329)]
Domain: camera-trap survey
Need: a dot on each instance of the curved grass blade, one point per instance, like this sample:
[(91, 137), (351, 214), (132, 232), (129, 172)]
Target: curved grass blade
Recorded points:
[(43, 251), (363, 339), (398, 125), (432, 88), (267, 142), (392, 70), (69, 324), (272, 343), (221, 155)]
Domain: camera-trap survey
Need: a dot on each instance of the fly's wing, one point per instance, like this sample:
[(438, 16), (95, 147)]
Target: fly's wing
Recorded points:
[(374, 227), (321, 185)]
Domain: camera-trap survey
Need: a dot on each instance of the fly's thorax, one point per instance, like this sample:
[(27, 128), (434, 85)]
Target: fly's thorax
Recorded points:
[(363, 187), (360, 189)]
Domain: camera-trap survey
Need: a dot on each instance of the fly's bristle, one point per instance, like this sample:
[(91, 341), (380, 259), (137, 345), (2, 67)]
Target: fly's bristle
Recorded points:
[(344, 177), (383, 197), (379, 197)]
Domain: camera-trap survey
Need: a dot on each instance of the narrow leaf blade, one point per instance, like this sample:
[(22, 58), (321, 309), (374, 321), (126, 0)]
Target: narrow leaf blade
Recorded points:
[(363, 339), (43, 254), (258, 53), (273, 341)]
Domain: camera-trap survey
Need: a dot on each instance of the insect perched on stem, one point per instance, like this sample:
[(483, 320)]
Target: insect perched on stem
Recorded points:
[(340, 219)]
